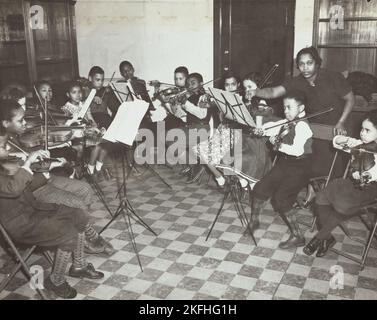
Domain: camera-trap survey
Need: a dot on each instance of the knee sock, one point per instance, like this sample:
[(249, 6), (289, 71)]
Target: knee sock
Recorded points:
[(91, 168), (99, 165), (243, 182), (220, 180), (79, 260), (57, 275)]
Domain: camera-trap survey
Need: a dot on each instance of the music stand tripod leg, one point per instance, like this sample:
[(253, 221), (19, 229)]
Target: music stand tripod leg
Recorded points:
[(157, 175), (242, 214), (226, 195), (136, 217), (98, 191)]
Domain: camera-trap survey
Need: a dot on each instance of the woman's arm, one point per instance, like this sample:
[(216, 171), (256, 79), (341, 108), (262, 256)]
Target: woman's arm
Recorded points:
[(266, 93), (349, 99)]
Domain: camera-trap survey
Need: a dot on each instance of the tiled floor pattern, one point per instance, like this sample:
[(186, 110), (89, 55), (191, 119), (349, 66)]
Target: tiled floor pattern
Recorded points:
[(180, 264)]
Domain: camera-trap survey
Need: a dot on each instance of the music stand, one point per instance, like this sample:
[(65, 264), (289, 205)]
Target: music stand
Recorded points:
[(232, 187), (123, 94), (125, 208)]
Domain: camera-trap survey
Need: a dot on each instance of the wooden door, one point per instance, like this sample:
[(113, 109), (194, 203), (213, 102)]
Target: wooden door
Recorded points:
[(253, 35)]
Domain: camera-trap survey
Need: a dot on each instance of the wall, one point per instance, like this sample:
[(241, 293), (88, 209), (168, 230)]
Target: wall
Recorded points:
[(155, 35), (303, 24), (158, 35)]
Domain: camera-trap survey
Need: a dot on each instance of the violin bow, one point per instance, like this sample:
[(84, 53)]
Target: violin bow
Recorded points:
[(268, 75), (299, 119), (43, 107), (111, 79)]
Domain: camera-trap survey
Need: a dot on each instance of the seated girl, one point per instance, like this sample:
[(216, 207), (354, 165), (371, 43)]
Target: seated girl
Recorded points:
[(47, 187), (92, 133), (255, 155), (342, 199), (46, 225)]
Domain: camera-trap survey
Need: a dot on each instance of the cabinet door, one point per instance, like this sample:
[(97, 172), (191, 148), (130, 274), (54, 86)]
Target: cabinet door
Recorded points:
[(53, 44), (13, 45)]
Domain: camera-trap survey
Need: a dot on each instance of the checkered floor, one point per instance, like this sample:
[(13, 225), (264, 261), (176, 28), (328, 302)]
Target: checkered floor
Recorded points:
[(180, 264)]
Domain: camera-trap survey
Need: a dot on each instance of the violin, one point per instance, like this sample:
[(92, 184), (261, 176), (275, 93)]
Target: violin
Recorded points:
[(362, 161), (284, 130), (11, 163), (32, 140)]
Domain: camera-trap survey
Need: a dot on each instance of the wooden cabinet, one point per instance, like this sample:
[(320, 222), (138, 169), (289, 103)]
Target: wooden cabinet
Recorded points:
[(345, 34), (37, 41)]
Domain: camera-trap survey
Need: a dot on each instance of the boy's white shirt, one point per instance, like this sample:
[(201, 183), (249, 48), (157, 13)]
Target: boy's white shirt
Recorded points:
[(297, 147), (372, 171)]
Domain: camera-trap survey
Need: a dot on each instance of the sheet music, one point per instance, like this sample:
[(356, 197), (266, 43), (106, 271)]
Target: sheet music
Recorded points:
[(125, 126), (239, 112), (87, 104)]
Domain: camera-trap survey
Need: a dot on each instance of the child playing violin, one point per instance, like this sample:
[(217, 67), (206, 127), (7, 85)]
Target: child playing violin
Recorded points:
[(92, 135), (48, 187), (48, 225), (342, 199), (103, 101), (289, 175), (63, 150)]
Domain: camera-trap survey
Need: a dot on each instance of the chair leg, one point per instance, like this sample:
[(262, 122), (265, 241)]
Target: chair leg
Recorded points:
[(369, 243)]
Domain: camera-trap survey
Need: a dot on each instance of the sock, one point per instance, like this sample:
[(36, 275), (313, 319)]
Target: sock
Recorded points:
[(72, 176), (243, 182), (78, 254), (90, 233), (252, 185), (220, 180), (90, 169), (99, 165), (57, 275)]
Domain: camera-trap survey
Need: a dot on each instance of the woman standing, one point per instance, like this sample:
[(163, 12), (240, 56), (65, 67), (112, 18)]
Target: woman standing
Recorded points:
[(324, 89)]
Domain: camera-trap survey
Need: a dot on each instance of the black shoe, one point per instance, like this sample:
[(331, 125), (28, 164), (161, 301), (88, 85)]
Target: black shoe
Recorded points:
[(86, 272), (312, 246), (64, 290), (292, 242), (324, 246), (196, 176)]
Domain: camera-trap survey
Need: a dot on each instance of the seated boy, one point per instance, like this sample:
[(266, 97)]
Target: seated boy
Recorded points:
[(290, 174)]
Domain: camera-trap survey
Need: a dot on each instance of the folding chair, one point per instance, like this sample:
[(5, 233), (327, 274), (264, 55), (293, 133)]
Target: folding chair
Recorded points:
[(371, 227), (322, 132), (21, 260)]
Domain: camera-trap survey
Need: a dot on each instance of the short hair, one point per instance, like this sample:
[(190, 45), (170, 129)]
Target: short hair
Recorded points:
[(256, 77), (297, 95), (196, 76), (372, 117), (72, 85), (41, 83), (313, 52), (230, 74), (125, 63), (16, 94), (182, 69), (7, 111), (96, 70)]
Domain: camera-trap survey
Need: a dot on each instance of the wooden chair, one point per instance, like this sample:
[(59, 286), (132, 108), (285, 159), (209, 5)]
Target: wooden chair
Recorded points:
[(11, 248)]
